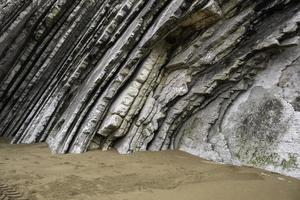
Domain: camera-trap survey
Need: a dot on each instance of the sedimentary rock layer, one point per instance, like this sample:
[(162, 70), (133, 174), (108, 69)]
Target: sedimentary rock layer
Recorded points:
[(216, 78)]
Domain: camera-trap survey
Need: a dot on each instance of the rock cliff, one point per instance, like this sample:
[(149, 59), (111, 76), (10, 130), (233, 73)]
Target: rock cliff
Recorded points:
[(216, 78)]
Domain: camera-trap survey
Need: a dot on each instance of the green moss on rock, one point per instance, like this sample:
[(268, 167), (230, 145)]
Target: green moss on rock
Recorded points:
[(290, 163)]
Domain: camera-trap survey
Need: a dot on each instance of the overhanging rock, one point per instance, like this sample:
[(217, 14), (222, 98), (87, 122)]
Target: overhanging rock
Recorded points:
[(219, 79)]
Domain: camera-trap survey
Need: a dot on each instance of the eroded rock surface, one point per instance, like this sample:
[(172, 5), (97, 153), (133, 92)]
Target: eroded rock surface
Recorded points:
[(219, 79)]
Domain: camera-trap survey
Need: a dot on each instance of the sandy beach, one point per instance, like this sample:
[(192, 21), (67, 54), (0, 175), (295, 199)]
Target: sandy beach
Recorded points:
[(32, 172)]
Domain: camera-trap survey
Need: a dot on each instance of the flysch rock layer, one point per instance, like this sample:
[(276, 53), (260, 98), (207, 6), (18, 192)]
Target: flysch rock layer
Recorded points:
[(216, 78)]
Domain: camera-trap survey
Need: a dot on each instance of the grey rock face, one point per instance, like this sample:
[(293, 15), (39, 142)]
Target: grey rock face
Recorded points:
[(219, 79)]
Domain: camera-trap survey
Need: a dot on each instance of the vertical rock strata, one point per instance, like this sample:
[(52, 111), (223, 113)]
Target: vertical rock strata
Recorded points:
[(219, 79)]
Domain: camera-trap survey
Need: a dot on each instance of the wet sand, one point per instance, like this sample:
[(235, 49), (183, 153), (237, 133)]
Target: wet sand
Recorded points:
[(166, 175)]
